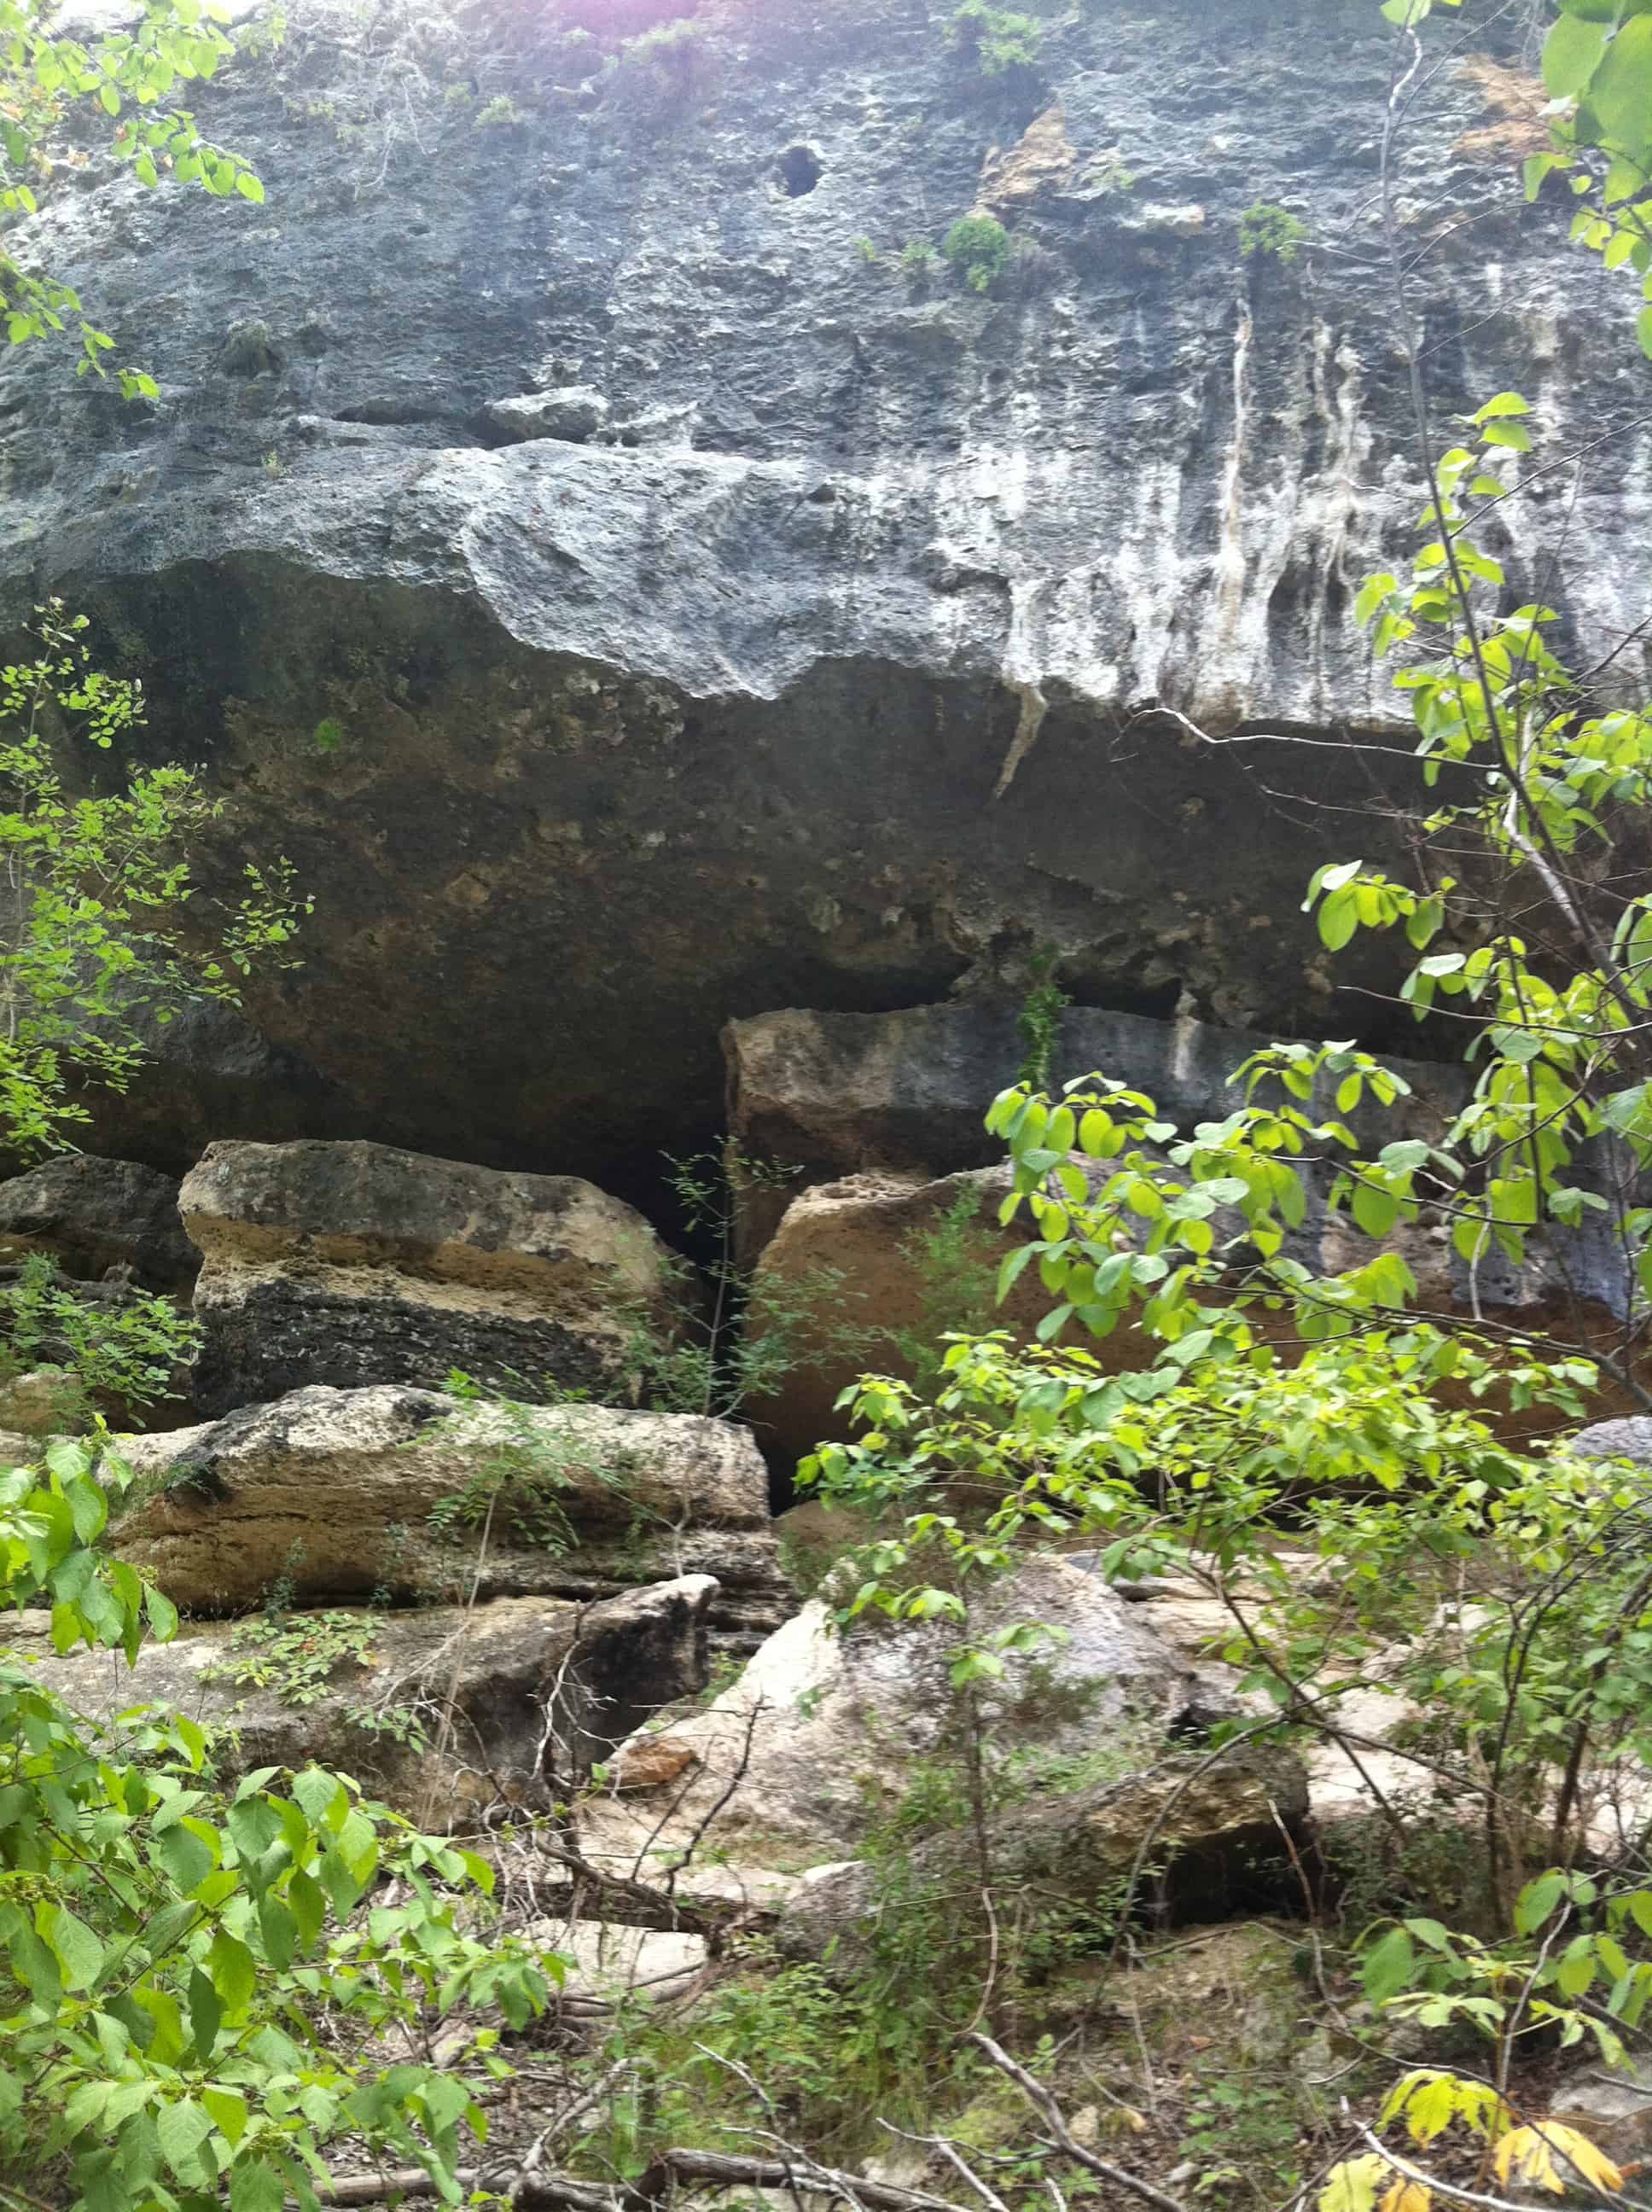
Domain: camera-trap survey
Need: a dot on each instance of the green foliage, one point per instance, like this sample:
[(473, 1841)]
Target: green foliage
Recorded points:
[(866, 248), (1266, 229), (128, 1351), (517, 1476), (1597, 61), (953, 1260), (498, 113), (918, 258), (102, 927), (655, 78), (996, 39), (122, 79), (192, 1999), (1244, 2135), (978, 247), (297, 1655), (726, 1355), (329, 734), (1560, 1038), (1038, 1024)]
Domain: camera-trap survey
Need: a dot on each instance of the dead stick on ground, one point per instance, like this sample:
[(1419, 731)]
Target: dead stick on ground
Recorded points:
[(1043, 2103)]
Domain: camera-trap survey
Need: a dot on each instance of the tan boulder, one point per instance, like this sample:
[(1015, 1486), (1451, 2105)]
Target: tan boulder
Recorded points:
[(881, 1264), (334, 1494), (355, 1263), (446, 1711), (823, 1732)]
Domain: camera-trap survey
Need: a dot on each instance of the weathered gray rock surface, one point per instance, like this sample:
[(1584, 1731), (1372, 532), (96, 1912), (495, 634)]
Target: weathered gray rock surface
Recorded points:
[(842, 659), (334, 1494), (91, 1215), (450, 1709), (1215, 1830), (823, 1732), (352, 1264)]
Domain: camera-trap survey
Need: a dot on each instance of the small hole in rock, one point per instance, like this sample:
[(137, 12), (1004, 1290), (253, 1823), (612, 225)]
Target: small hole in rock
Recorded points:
[(799, 171)]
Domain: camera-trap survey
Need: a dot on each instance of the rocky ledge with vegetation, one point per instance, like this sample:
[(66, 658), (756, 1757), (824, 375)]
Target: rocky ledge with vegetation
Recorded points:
[(1051, 1602)]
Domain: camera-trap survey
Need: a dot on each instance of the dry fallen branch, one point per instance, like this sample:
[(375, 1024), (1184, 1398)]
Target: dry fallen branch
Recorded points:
[(1043, 2103)]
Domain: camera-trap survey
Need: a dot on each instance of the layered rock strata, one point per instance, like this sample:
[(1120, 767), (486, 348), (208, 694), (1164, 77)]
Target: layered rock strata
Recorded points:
[(351, 1264)]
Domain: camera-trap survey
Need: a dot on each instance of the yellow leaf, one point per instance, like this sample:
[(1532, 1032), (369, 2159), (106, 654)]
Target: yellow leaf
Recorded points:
[(1548, 2155), (1352, 2186), (1407, 2196)]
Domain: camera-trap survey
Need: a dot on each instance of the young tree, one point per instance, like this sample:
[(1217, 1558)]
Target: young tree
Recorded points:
[(103, 929), (122, 77)]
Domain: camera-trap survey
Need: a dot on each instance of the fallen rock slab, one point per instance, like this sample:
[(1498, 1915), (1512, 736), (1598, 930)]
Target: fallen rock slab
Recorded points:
[(93, 1215), (1210, 1829), (823, 1732), (336, 1494), (448, 1712), (829, 1095), (355, 1263)]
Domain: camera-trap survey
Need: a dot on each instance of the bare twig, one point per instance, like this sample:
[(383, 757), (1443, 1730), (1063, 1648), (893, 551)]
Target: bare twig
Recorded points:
[(1043, 2103)]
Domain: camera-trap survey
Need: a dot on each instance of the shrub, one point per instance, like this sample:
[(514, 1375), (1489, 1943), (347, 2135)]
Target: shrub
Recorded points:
[(103, 1341), (978, 247), (997, 39), (1265, 227)]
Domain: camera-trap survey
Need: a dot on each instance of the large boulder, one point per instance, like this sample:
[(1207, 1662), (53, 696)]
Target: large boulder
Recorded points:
[(823, 1733), (336, 1494), (92, 1216), (1219, 1835), (356, 1263), (823, 1096), (874, 1268), (448, 1712), (1629, 1438), (876, 1217)]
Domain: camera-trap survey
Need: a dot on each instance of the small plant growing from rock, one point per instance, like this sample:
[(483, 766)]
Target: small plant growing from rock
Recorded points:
[(867, 250), (997, 38), (656, 78), (1038, 1023), (720, 1359), (978, 247), (1266, 229), (93, 1339), (500, 113), (918, 258)]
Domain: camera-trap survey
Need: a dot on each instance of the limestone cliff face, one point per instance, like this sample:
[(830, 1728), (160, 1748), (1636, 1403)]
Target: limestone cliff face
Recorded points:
[(820, 656)]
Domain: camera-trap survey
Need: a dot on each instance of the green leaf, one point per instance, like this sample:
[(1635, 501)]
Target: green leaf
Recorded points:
[(234, 1972), (248, 186), (206, 2014), (80, 1954), (1576, 1970), (1338, 918), (1375, 1211), (1388, 1966), (1621, 92), (160, 1612), (1643, 331), (185, 1857), (183, 2128), (255, 2185), (1571, 53), (1512, 434), (1505, 404)]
